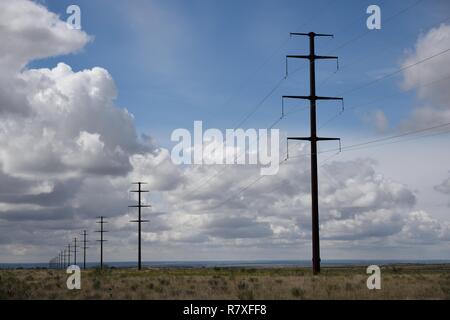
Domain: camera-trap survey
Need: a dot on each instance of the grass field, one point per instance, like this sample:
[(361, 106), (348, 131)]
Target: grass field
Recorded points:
[(398, 282)]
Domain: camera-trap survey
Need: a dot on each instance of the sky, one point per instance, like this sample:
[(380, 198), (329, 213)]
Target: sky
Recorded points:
[(83, 113)]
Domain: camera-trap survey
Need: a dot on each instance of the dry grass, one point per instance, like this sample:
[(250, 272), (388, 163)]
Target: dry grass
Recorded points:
[(398, 282)]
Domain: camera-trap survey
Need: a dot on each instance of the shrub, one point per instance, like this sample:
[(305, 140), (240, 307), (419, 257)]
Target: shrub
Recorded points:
[(242, 285), (298, 292), (246, 295)]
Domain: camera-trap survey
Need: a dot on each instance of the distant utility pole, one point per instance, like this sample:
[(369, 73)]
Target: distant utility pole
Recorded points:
[(101, 231), (75, 250), (69, 250), (313, 138), (84, 234), (64, 258), (139, 220)]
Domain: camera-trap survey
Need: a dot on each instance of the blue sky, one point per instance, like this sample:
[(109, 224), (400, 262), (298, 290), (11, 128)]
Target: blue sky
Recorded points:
[(176, 61)]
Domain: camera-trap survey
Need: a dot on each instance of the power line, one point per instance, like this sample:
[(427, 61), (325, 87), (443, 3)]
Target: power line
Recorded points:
[(385, 21), (277, 85), (269, 94), (206, 180), (377, 100), (337, 115), (347, 148), (385, 48), (348, 42), (397, 71), (370, 142), (397, 136)]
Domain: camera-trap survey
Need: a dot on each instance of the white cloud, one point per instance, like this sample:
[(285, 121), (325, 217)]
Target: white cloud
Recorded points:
[(421, 227), (434, 98), (380, 121), (444, 187), (32, 32)]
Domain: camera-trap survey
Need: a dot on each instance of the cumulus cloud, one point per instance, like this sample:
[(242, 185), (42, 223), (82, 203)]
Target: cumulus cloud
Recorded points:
[(434, 99), (68, 153), (444, 187), (31, 32), (356, 203), (421, 227)]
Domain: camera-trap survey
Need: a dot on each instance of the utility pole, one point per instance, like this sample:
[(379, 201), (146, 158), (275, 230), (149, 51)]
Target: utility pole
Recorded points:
[(64, 258), (313, 138), (139, 220), (101, 231), (69, 250), (75, 250), (84, 234)]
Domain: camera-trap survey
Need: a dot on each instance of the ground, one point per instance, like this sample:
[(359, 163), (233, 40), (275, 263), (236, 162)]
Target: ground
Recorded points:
[(398, 282)]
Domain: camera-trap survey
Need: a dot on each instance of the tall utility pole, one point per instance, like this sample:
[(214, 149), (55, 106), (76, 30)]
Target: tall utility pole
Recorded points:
[(75, 250), (313, 138), (139, 220), (101, 231), (84, 234)]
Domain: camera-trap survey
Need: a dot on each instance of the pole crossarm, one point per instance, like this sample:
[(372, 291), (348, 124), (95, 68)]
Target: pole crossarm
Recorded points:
[(314, 57), (312, 34), (300, 138), (313, 98)]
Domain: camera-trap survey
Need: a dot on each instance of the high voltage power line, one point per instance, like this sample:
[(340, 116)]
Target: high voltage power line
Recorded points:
[(396, 72), (366, 32), (365, 104), (209, 178), (365, 144), (60, 259), (366, 57), (206, 180)]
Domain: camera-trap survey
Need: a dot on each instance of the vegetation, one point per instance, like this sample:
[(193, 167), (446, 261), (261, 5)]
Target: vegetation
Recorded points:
[(398, 282)]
